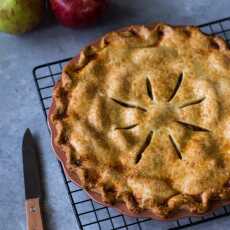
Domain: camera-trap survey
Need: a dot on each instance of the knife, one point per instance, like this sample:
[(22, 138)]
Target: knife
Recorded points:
[(32, 183)]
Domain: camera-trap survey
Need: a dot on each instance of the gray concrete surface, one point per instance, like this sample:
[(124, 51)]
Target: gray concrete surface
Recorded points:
[(20, 108)]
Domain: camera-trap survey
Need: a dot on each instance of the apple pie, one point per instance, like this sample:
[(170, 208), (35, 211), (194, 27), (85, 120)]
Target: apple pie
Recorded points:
[(141, 118)]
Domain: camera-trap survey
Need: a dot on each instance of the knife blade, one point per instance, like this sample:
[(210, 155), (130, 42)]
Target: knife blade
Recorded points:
[(32, 182)]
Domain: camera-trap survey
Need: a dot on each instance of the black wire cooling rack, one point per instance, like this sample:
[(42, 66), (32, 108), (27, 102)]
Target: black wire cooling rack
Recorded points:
[(89, 214)]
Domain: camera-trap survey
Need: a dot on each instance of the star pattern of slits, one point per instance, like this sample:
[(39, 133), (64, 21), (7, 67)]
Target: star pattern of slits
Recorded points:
[(148, 138)]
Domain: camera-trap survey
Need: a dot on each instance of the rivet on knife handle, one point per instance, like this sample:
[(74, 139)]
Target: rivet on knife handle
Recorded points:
[(33, 214)]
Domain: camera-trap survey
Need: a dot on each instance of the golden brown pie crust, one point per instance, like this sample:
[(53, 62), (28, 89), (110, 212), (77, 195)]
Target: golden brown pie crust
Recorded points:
[(141, 119)]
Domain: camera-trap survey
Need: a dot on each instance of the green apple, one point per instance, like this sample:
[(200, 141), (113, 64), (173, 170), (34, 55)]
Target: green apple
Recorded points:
[(19, 16)]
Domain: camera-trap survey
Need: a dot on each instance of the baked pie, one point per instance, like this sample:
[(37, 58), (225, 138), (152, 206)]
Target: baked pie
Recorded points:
[(141, 118)]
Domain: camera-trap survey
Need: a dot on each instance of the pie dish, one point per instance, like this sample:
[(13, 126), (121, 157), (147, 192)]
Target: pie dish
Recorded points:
[(141, 120)]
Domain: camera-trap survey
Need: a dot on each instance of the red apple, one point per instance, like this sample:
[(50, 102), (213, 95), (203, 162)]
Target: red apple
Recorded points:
[(74, 13)]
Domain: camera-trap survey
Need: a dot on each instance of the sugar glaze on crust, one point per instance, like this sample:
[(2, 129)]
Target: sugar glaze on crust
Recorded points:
[(142, 117)]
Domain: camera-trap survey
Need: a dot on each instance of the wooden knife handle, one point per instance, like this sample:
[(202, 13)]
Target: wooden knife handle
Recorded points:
[(33, 214)]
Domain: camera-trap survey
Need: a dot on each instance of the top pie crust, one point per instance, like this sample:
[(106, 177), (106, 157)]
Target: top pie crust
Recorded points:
[(142, 116)]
